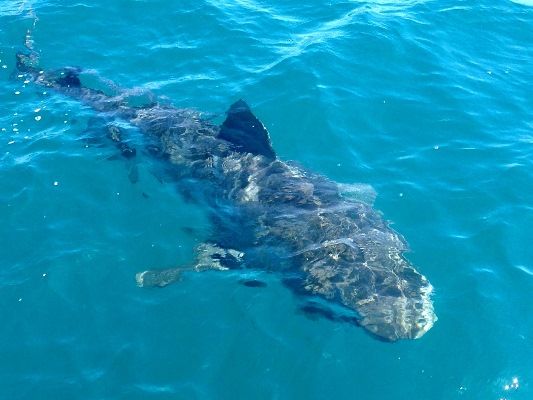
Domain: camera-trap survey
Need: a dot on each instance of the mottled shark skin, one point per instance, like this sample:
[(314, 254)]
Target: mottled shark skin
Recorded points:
[(269, 214)]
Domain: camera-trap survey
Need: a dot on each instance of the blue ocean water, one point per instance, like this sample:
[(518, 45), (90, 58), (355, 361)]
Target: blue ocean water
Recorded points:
[(430, 103)]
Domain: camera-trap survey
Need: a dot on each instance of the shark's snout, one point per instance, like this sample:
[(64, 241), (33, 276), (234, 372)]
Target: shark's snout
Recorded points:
[(392, 318)]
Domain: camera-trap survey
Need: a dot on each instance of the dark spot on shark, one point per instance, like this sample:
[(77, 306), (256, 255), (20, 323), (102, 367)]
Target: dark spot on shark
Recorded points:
[(252, 283), (154, 150), (69, 78), (315, 311), (127, 151)]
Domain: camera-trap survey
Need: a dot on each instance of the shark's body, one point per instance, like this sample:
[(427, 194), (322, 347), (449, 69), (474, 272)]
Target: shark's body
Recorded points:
[(272, 215)]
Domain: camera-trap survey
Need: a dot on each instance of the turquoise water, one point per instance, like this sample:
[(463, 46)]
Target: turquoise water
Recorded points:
[(430, 103)]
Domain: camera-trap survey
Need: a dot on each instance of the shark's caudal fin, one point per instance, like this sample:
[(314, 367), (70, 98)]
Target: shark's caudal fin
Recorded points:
[(245, 131), (28, 63), (28, 60)]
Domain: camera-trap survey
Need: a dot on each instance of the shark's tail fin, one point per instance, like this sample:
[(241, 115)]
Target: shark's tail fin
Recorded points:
[(28, 59)]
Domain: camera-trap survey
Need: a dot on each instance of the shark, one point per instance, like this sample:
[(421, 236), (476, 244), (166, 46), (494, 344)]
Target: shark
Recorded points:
[(335, 251)]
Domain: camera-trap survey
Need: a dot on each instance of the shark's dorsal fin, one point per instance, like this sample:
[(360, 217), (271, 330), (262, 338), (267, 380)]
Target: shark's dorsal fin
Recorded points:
[(245, 131)]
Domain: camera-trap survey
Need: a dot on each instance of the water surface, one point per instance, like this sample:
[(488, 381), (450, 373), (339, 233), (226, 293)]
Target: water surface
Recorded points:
[(428, 102)]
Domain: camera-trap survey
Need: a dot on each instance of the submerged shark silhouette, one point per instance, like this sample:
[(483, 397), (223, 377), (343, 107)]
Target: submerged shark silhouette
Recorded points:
[(268, 214)]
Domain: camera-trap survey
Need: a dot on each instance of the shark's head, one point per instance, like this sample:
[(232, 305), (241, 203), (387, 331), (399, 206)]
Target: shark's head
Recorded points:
[(368, 274), (392, 299)]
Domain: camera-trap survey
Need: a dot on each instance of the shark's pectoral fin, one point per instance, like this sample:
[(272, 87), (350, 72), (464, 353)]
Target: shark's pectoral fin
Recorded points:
[(116, 134), (212, 256), (101, 130), (209, 256), (127, 152), (245, 131), (158, 278)]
